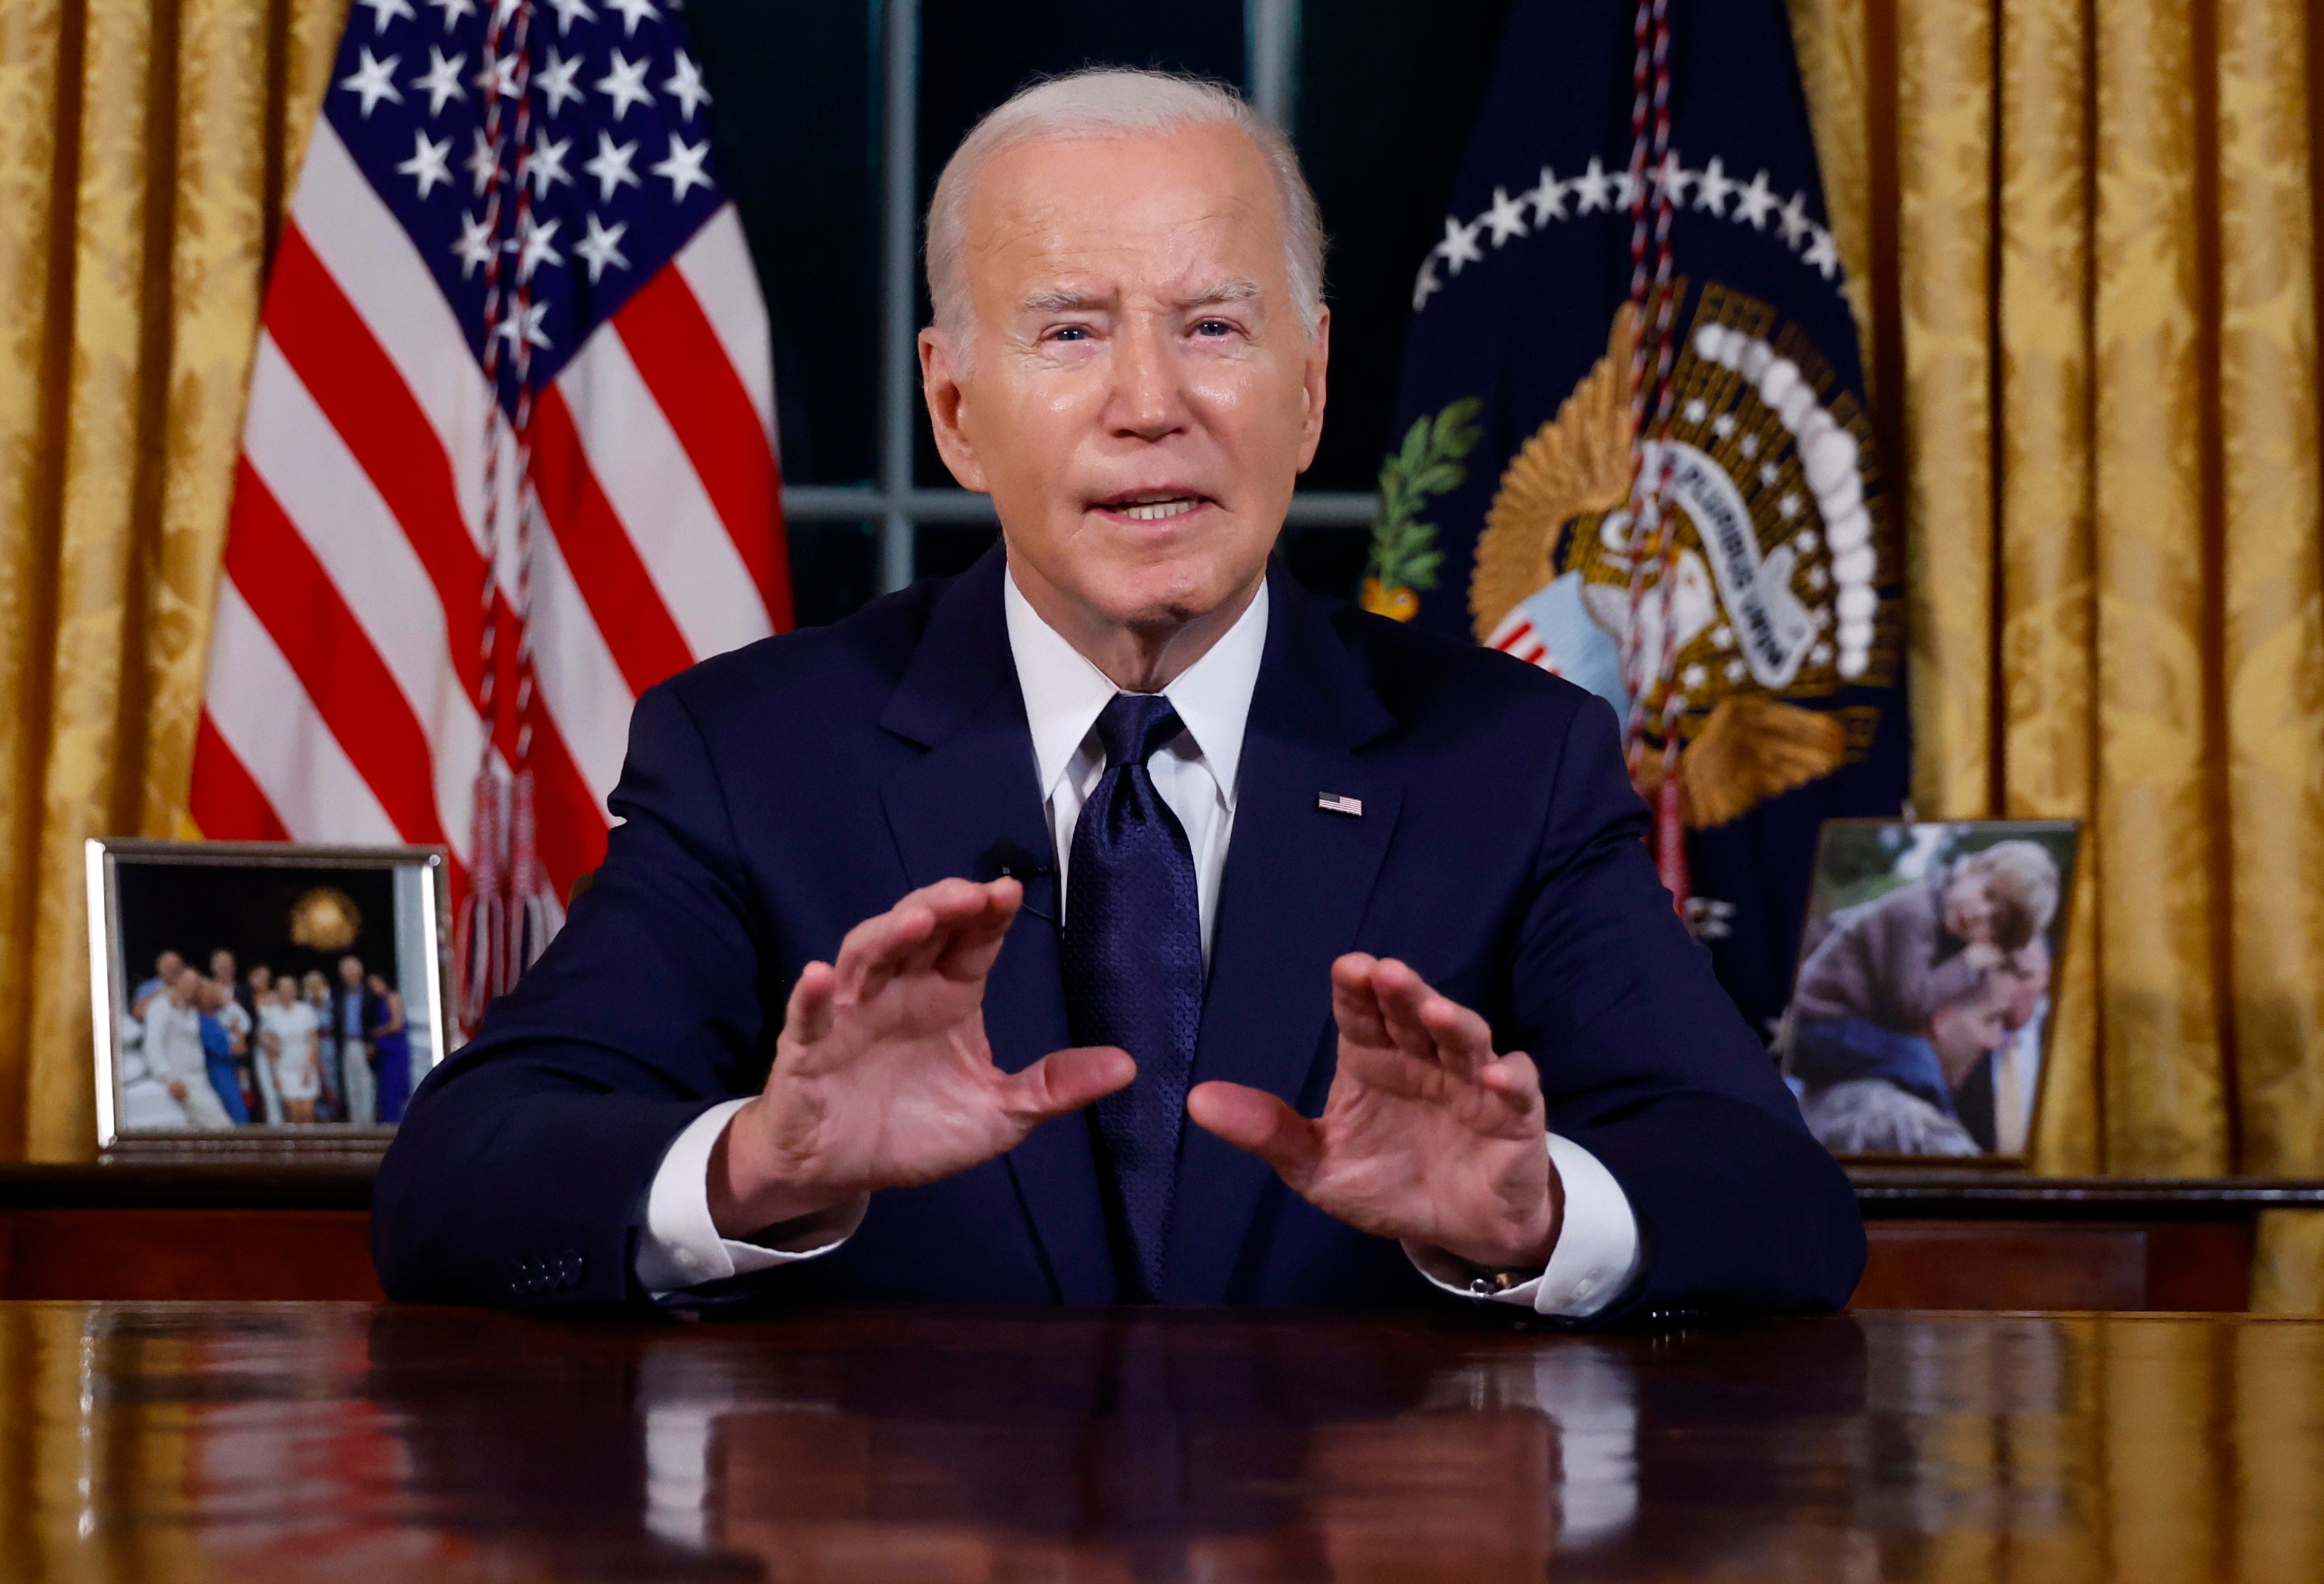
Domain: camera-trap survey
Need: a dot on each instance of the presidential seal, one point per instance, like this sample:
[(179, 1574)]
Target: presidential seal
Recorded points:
[(1767, 605)]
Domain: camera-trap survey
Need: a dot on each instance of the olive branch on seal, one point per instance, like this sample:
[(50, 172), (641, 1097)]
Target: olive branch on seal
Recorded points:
[(1404, 554)]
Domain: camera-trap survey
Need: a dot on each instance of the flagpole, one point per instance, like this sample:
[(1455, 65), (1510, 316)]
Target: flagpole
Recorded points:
[(1271, 40), (900, 394)]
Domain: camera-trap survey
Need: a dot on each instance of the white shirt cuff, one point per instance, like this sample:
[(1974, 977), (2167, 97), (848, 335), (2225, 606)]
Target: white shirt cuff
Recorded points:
[(1597, 1253), (682, 1247)]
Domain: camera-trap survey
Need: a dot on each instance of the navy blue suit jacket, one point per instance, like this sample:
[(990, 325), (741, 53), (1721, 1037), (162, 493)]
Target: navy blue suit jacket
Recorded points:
[(775, 797)]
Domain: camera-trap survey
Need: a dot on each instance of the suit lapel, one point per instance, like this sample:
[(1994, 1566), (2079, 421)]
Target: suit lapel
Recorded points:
[(971, 796), (1297, 878)]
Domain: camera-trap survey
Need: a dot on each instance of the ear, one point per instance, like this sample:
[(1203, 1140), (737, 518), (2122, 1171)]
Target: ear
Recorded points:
[(1312, 383), (941, 385)]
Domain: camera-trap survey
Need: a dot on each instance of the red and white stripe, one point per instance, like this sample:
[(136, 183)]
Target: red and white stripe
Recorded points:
[(1517, 635), (346, 664)]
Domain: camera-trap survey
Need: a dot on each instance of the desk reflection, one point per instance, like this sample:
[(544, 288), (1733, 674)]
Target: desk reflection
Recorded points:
[(256, 1443)]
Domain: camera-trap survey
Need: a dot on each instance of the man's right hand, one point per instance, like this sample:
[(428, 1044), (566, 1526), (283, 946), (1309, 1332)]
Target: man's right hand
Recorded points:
[(882, 1078)]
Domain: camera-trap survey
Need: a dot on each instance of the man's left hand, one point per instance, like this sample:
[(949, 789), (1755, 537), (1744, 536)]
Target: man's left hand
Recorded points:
[(1427, 1135)]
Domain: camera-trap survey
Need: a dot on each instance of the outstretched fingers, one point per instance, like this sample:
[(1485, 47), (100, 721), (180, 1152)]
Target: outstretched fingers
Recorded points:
[(1382, 1003), (1064, 1082), (911, 936), (1261, 1124)]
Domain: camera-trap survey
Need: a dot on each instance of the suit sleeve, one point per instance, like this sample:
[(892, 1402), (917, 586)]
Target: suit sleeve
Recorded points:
[(520, 1175), (1646, 1064)]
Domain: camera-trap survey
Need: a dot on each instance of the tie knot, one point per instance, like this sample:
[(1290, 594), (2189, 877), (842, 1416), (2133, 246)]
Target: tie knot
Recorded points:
[(1134, 724)]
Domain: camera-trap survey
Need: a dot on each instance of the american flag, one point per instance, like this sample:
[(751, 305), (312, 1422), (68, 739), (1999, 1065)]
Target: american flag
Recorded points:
[(512, 324)]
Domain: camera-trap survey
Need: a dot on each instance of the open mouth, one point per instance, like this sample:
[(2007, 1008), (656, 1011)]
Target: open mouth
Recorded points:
[(1153, 505)]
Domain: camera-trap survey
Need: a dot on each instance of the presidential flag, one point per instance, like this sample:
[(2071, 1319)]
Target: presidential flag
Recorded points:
[(509, 458), (1632, 446)]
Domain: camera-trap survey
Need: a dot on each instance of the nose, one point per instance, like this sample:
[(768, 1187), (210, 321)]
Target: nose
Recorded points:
[(1148, 400)]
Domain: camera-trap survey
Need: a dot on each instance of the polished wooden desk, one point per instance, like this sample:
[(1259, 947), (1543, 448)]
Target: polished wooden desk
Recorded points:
[(1959, 1239), (262, 1442)]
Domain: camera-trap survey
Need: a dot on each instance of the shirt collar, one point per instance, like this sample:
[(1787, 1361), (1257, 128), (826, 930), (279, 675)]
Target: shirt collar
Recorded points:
[(1064, 692)]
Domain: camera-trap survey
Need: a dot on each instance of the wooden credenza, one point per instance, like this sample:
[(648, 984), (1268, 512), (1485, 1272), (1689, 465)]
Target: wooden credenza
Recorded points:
[(1938, 1240)]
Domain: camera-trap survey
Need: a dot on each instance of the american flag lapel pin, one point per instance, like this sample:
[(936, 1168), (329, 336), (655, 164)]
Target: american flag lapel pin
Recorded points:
[(1339, 803)]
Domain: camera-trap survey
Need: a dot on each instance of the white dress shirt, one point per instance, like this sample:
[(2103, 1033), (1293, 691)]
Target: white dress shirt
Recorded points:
[(1597, 1251)]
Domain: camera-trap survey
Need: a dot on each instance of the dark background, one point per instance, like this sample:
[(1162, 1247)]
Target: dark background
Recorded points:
[(1385, 92), (193, 908)]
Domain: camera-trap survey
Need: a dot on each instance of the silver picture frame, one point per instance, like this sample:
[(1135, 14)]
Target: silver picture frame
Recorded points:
[(420, 885)]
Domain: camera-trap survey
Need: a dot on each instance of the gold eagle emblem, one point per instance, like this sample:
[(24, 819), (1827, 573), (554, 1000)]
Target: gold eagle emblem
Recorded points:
[(1746, 746)]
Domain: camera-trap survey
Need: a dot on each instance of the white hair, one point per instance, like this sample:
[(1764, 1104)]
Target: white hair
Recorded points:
[(1113, 102)]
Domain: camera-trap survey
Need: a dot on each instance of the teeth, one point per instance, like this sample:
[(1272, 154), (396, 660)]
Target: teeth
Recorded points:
[(1156, 510)]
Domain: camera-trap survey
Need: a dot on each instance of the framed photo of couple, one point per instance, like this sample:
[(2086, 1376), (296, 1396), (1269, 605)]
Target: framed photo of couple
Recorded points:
[(261, 997), (1919, 1022)]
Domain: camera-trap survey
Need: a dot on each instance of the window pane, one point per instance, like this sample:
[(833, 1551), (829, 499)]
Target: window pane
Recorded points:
[(794, 96), (973, 54), (835, 569), (947, 548), (1386, 89)]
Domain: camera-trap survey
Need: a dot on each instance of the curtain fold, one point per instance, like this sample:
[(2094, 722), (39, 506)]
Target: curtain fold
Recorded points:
[(145, 147), (2102, 387)]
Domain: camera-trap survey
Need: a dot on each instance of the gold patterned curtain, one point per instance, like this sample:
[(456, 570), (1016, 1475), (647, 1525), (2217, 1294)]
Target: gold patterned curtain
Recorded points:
[(2083, 238), (146, 150)]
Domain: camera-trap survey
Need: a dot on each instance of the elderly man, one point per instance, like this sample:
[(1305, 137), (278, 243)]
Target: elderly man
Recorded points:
[(925, 936)]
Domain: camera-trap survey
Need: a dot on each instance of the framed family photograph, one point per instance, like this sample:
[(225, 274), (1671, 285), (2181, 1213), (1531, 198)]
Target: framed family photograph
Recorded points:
[(1919, 1021), (264, 997)]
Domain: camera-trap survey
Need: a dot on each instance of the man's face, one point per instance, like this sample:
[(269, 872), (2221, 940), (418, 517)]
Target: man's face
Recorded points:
[(166, 966), (351, 972), (222, 966), (1139, 393), (1967, 1030)]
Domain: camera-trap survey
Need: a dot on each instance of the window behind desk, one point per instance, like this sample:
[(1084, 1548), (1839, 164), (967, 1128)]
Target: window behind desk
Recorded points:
[(834, 117)]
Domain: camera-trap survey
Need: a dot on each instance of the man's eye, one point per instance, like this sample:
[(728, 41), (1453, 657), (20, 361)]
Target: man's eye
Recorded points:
[(1213, 327), (1073, 333)]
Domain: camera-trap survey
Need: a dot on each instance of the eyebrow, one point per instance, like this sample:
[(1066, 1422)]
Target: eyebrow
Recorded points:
[(1059, 299)]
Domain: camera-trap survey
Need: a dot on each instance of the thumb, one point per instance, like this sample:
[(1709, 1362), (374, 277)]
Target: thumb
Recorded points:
[(1066, 1081), (1261, 1124)]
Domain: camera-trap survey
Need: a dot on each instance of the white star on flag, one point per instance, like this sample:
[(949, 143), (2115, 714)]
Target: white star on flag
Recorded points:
[(1716, 187), (534, 245), (375, 80), (1426, 285), (1506, 218), (685, 84), (633, 12), (454, 10), (383, 12), (475, 248), (1793, 219), (497, 76), (523, 324), (1821, 253), (683, 166), (601, 247), (1548, 198), (545, 166), (567, 9), (441, 81), (624, 83), (556, 82), (1672, 177), (611, 166), (503, 10), (430, 162), (480, 162), (1459, 244), (1592, 187), (1755, 203)]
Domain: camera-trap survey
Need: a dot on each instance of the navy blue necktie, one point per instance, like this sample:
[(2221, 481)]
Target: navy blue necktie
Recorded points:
[(1133, 973)]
